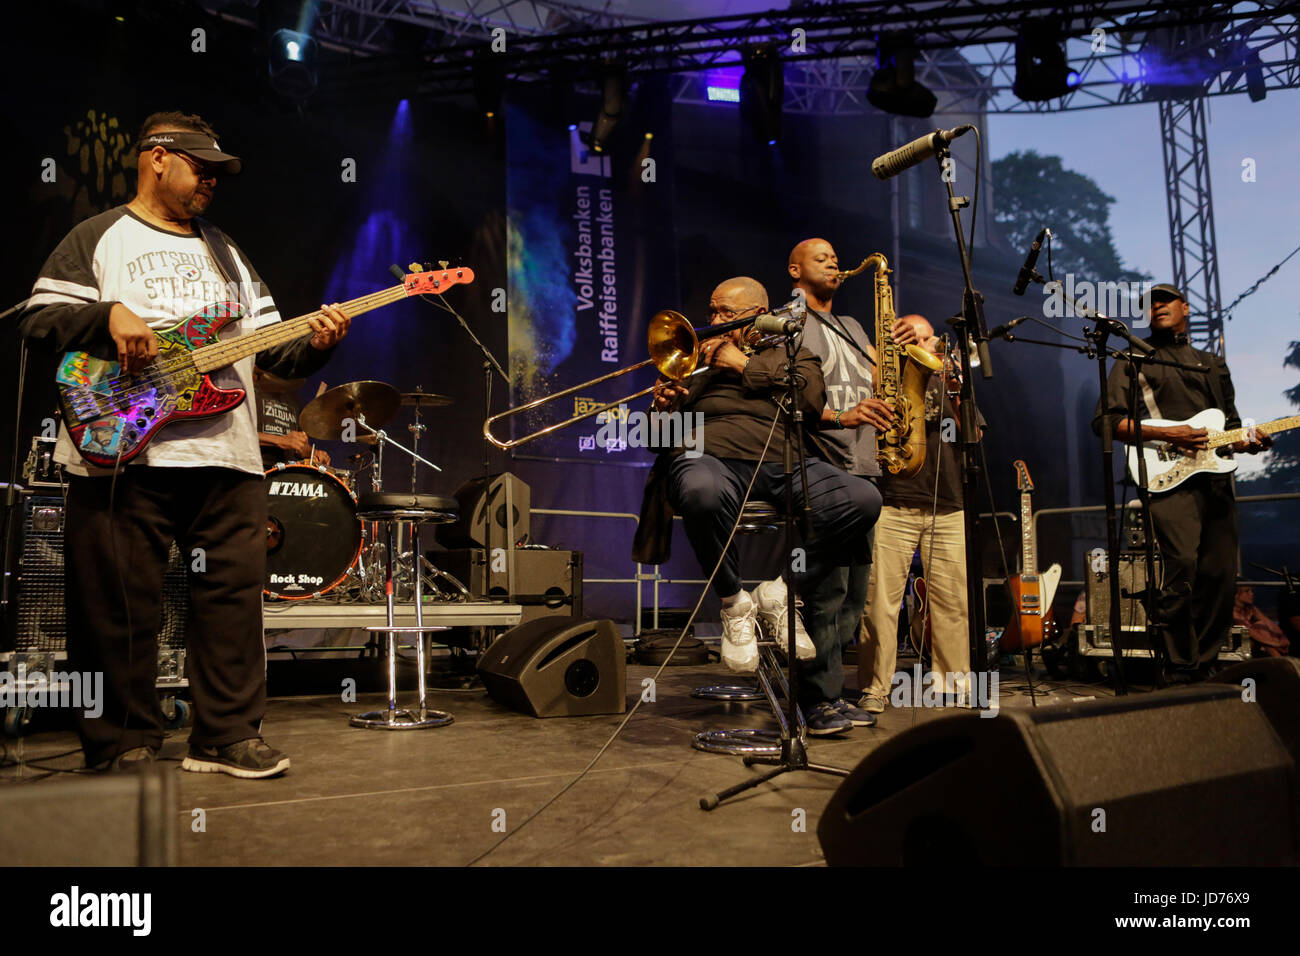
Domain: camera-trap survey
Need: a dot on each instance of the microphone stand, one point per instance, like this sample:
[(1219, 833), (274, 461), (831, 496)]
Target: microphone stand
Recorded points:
[(794, 753), (490, 364), (970, 330)]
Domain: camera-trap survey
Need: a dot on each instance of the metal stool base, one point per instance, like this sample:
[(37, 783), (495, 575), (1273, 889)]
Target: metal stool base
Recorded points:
[(728, 692), (400, 720), (739, 742)]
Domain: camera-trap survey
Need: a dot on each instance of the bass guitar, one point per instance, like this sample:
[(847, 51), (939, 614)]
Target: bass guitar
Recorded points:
[(112, 417), (1168, 466), (1031, 592)]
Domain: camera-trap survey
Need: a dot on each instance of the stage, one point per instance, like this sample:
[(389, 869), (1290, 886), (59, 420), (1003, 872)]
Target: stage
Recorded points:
[(430, 798)]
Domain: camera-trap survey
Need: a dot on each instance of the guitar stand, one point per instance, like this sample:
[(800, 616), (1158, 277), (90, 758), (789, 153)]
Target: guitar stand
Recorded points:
[(794, 755)]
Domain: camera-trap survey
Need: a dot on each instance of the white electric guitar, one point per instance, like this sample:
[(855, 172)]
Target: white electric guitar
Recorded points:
[(1168, 466)]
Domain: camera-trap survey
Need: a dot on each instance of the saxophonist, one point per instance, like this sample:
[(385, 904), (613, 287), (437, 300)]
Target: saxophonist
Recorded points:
[(923, 511), (848, 430), (737, 397)]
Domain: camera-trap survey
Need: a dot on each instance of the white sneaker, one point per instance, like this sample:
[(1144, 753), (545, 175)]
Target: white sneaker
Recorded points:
[(739, 644), (770, 596)]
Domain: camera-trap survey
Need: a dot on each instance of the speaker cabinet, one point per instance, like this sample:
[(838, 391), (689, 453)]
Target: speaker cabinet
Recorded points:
[(1275, 687), (1184, 777), (547, 583), (125, 819), (470, 529), (40, 623), (557, 667)]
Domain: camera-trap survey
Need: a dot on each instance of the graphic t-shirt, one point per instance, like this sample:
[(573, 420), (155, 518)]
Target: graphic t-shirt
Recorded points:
[(276, 415), (163, 277), (848, 381)]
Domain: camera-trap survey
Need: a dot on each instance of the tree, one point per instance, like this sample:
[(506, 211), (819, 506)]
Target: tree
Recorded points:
[(1035, 191)]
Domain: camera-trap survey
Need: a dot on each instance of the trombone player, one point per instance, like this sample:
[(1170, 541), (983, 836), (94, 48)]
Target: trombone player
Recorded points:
[(737, 396)]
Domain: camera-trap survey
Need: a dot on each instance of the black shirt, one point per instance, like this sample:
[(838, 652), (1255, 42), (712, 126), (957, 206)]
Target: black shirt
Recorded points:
[(1170, 393), (940, 455), (738, 409)]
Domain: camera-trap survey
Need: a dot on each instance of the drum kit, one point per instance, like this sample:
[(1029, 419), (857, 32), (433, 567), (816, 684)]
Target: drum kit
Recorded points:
[(316, 544)]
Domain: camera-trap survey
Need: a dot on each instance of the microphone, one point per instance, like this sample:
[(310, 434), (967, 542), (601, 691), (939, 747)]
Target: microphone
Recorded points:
[(1116, 327), (786, 320), (915, 152), (999, 331), (774, 323), (1027, 270)]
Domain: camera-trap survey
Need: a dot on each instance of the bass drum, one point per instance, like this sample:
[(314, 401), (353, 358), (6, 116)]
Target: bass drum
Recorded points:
[(313, 535)]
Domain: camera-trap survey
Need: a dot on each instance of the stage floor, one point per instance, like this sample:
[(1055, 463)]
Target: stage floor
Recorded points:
[(432, 797)]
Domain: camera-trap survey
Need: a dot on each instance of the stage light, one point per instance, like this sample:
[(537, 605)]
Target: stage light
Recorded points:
[(893, 86), (572, 127), (649, 135), (1042, 71), (613, 88), (292, 63), (762, 90), (722, 94)]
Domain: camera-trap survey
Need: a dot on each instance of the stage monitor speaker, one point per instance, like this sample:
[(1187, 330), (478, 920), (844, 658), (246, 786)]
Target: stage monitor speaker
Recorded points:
[(1276, 689), (1188, 776), (558, 667), (125, 819), (469, 529), (547, 583)]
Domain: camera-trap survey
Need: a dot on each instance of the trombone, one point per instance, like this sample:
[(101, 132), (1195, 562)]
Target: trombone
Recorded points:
[(674, 350)]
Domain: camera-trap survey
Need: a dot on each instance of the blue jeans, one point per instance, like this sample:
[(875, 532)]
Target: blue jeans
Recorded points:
[(707, 492)]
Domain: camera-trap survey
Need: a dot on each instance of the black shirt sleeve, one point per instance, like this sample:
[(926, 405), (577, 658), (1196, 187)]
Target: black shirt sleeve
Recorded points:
[(65, 313)]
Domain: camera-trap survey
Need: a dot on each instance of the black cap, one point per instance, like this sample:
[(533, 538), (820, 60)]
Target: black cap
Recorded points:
[(199, 145), (1164, 289)]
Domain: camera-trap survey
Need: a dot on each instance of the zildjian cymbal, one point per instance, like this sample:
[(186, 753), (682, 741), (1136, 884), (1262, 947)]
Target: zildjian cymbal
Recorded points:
[(324, 416)]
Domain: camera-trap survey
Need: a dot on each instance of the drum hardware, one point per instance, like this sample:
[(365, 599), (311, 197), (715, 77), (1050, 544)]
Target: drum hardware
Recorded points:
[(422, 399), (41, 470)]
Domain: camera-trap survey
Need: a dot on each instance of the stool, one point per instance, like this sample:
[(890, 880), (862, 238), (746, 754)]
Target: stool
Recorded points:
[(393, 508), (757, 517)]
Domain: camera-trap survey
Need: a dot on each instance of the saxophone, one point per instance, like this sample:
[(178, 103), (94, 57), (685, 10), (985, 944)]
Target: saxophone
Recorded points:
[(900, 381)]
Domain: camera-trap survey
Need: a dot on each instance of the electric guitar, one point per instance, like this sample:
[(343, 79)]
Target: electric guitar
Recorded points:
[(1168, 466), (1031, 592), (111, 416)]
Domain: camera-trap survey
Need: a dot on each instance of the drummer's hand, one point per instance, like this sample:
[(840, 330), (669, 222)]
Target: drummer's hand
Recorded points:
[(322, 457), (298, 444), (330, 327)]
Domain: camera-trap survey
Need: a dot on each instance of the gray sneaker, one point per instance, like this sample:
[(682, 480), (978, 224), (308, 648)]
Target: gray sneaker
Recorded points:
[(251, 759), (872, 704), (824, 719), (857, 717)]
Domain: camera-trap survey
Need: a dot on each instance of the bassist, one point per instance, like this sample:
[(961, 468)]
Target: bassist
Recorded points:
[(113, 281), (1196, 523)]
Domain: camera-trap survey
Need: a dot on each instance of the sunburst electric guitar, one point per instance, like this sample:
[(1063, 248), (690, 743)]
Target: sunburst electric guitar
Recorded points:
[(1168, 466), (111, 416), (1032, 593)]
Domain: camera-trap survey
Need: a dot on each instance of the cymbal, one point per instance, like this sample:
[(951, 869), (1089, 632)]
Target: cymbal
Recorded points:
[(323, 417), (425, 399)]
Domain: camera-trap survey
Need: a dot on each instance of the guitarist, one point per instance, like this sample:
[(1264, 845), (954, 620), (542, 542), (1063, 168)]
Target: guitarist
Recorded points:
[(106, 288), (1195, 523)]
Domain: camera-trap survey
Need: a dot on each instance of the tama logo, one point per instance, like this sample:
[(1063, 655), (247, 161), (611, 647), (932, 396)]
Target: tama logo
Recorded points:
[(298, 489)]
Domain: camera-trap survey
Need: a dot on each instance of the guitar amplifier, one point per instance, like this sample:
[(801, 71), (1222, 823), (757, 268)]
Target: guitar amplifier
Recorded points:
[(40, 623), (1132, 579), (1094, 641), (547, 583)]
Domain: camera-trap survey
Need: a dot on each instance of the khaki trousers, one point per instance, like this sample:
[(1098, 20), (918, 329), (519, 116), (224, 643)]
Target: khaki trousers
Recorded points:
[(899, 532)]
